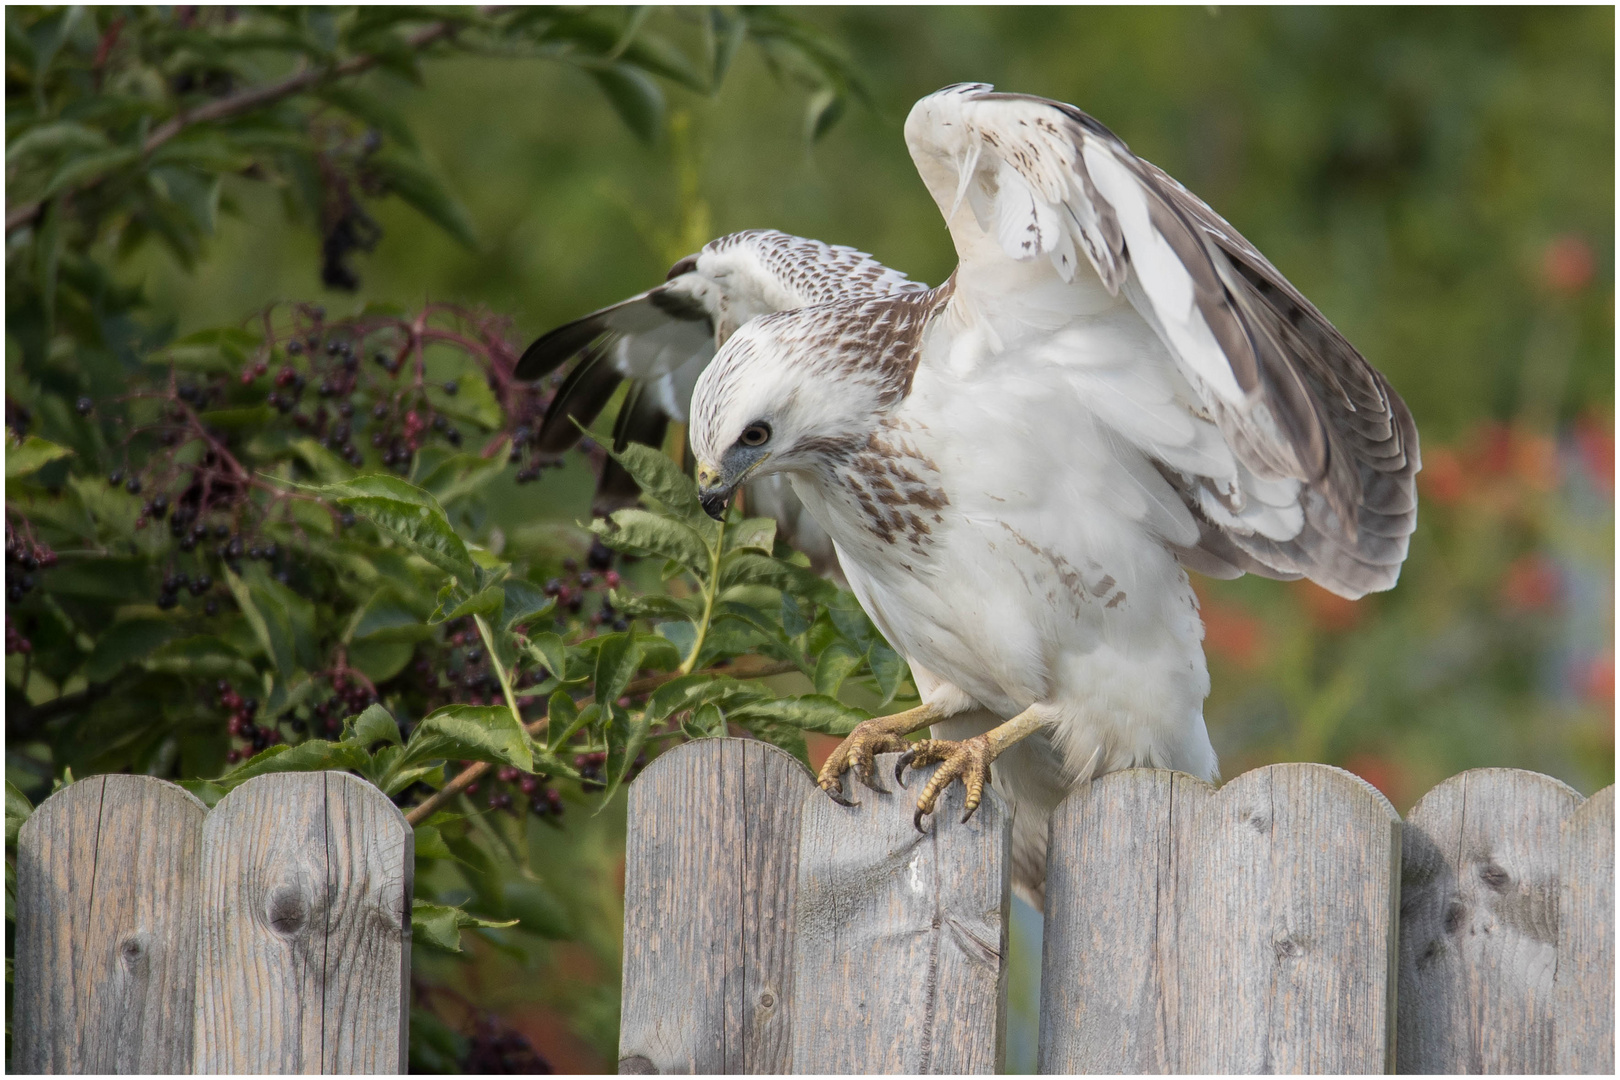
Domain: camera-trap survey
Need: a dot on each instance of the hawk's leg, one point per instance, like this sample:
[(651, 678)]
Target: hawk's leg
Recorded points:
[(870, 738), (968, 761)]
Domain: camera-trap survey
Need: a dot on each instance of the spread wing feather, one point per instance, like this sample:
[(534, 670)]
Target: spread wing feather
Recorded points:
[(1323, 453)]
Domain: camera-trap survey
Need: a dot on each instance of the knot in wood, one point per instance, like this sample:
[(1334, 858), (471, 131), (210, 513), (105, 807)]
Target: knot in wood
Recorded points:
[(287, 910), (635, 1065), (1494, 877), (132, 950), (767, 1000)]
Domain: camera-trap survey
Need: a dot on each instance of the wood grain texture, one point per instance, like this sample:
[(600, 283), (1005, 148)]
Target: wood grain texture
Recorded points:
[(1246, 930), (900, 954), (303, 952), (106, 894), (710, 868), (1479, 924), (1584, 991)]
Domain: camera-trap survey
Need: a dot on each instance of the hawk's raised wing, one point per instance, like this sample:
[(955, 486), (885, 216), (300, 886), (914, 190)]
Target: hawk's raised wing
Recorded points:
[(1323, 454), (662, 339)]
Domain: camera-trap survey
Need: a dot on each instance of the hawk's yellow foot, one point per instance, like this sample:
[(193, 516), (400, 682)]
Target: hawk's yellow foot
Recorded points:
[(968, 761), (859, 750)]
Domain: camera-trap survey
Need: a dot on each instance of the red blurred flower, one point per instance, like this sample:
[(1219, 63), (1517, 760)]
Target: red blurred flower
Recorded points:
[(1531, 583), (1327, 610), (1567, 264), (1443, 478), (1535, 459), (1594, 441), (1233, 633), (1597, 680), (1381, 773)]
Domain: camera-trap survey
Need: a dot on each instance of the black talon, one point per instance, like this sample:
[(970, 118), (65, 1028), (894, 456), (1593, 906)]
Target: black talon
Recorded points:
[(968, 815), (916, 820), (837, 796), (900, 767)]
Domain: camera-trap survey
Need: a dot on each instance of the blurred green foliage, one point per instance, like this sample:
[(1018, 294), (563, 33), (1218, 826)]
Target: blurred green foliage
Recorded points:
[(1439, 181)]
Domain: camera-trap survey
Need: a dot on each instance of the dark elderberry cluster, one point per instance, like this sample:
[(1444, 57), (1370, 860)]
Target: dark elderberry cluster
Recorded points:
[(24, 560), (240, 724), (513, 790), (349, 698), (572, 591), (15, 642), (493, 1047), (530, 463), (174, 581)]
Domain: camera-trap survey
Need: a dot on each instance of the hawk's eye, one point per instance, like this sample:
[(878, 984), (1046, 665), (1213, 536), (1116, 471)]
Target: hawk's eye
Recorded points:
[(755, 435)]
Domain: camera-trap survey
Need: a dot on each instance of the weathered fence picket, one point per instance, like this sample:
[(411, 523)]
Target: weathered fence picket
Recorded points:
[(106, 929), (1287, 922), (1195, 930), (769, 930), (1487, 887), (270, 935)]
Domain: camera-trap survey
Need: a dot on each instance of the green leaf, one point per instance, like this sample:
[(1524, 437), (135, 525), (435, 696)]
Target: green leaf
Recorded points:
[(370, 109), (662, 481), (888, 668), (440, 925), (34, 454), (641, 532), (809, 712), (487, 602), (127, 642), (379, 660), (825, 108), (472, 733), (747, 567), (202, 656), (17, 810), (54, 138), (617, 660), (314, 755), (429, 844), (81, 170), (408, 177), (833, 666), (374, 725), (635, 97), (756, 533), (271, 627), (658, 606), (411, 516), (524, 602), (553, 653)]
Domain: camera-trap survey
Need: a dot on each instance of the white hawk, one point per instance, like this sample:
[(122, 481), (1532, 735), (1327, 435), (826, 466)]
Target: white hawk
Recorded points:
[(1017, 468)]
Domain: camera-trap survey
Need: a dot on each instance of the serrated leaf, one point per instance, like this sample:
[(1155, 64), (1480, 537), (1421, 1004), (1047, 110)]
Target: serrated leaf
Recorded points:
[(662, 481), (809, 712), (552, 652), (658, 606), (34, 454), (375, 724), (524, 602), (18, 808), (472, 733), (617, 660), (271, 628), (486, 602), (833, 666), (643, 533), (201, 656), (747, 567), (440, 925), (411, 516), (314, 755), (756, 533)]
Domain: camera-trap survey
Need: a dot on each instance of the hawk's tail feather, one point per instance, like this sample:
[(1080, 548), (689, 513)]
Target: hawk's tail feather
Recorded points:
[(581, 398)]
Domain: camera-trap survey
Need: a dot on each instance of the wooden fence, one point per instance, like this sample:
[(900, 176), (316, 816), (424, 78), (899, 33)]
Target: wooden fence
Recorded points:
[(269, 935), (1288, 922)]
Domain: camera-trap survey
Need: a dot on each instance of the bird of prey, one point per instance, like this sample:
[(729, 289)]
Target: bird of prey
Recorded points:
[(660, 340), (1018, 468)]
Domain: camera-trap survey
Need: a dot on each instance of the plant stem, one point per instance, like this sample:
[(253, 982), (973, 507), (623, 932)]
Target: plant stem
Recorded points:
[(500, 670), (469, 776), (710, 588)]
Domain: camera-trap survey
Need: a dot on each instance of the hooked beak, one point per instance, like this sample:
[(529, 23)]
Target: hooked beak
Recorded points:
[(713, 492)]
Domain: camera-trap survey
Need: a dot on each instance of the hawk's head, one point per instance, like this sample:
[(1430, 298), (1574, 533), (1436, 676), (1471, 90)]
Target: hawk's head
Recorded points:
[(787, 393)]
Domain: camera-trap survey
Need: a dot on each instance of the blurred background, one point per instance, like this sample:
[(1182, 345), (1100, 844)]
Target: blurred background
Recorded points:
[(1439, 182)]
